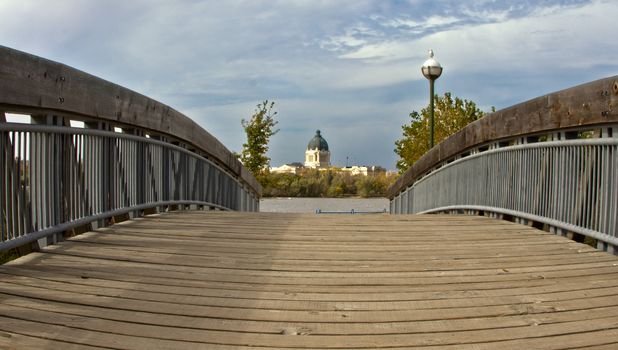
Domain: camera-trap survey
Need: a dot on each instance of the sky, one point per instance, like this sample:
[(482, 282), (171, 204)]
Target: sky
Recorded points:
[(350, 68)]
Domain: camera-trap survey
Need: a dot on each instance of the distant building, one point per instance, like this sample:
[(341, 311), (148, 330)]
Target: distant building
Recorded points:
[(317, 154), (363, 170), (292, 168), (355, 170)]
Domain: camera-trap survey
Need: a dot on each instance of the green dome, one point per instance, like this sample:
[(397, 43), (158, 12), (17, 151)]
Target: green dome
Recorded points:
[(318, 142)]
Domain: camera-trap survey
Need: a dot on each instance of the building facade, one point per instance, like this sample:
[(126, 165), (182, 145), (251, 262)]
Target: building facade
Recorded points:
[(363, 170), (292, 168), (317, 154)]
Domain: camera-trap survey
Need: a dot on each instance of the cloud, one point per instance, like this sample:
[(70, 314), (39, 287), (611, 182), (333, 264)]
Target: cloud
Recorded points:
[(348, 67), (557, 36), (424, 24)]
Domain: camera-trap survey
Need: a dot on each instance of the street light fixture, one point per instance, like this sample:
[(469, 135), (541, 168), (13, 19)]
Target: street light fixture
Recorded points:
[(431, 70)]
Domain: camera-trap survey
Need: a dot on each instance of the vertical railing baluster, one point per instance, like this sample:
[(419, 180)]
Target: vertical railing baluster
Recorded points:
[(570, 183), (3, 162)]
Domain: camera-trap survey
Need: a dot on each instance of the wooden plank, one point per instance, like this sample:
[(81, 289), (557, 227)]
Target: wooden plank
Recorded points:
[(113, 280), (276, 327), (294, 268), (231, 281), (441, 285), (9, 340), (27, 285)]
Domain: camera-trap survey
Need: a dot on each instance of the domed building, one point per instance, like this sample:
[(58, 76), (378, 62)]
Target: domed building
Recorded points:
[(317, 154)]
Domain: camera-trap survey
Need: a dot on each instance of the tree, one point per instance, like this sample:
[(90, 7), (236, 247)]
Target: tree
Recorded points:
[(325, 183), (259, 129), (450, 116)]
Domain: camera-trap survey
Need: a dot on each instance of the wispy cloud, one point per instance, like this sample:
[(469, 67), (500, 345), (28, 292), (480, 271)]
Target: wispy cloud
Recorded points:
[(348, 67)]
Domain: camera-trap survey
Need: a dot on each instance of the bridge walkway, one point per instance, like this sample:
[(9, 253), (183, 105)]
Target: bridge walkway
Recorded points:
[(228, 280)]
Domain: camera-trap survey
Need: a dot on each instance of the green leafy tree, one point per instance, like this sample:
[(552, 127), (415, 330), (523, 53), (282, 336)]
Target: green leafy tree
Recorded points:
[(328, 183), (372, 186), (259, 129), (450, 115)]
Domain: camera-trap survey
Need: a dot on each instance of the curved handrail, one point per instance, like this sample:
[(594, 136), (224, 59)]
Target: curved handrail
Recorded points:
[(31, 84), (587, 105), (530, 163), (133, 156)]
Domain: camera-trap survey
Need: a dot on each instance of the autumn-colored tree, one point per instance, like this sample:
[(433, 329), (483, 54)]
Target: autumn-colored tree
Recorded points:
[(326, 183), (259, 129), (450, 116)]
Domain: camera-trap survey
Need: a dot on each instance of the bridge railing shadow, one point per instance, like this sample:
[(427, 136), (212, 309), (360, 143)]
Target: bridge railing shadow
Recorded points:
[(551, 162), (89, 153)]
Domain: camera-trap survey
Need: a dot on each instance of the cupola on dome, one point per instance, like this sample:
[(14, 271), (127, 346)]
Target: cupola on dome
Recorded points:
[(317, 154), (318, 142)]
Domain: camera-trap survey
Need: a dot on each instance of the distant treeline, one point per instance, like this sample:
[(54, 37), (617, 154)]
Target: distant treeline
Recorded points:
[(325, 183)]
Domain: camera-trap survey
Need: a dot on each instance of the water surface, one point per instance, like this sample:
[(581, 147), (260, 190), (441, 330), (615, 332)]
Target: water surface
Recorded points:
[(310, 205)]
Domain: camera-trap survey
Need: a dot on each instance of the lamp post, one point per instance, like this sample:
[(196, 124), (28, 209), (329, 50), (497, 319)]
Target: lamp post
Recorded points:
[(431, 70)]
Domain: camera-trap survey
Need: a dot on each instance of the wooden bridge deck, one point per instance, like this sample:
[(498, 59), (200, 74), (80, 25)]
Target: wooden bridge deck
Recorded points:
[(221, 280)]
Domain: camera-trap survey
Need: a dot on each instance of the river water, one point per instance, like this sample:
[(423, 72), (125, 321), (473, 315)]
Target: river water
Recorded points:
[(310, 205)]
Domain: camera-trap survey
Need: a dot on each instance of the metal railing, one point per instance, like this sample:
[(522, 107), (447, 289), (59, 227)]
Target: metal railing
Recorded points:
[(58, 178), (570, 185), (130, 155), (557, 170)]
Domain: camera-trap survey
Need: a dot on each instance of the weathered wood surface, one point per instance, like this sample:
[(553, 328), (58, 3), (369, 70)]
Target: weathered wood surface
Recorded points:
[(591, 104), (222, 280), (31, 84)]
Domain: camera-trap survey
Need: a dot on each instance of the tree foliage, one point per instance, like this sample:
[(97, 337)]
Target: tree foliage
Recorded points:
[(259, 129), (450, 115), (325, 183)]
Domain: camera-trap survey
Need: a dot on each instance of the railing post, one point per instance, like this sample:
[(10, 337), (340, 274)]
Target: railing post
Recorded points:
[(5, 160), (46, 176)]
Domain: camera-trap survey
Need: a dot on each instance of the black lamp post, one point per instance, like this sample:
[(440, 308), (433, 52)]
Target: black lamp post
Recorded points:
[(431, 70)]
